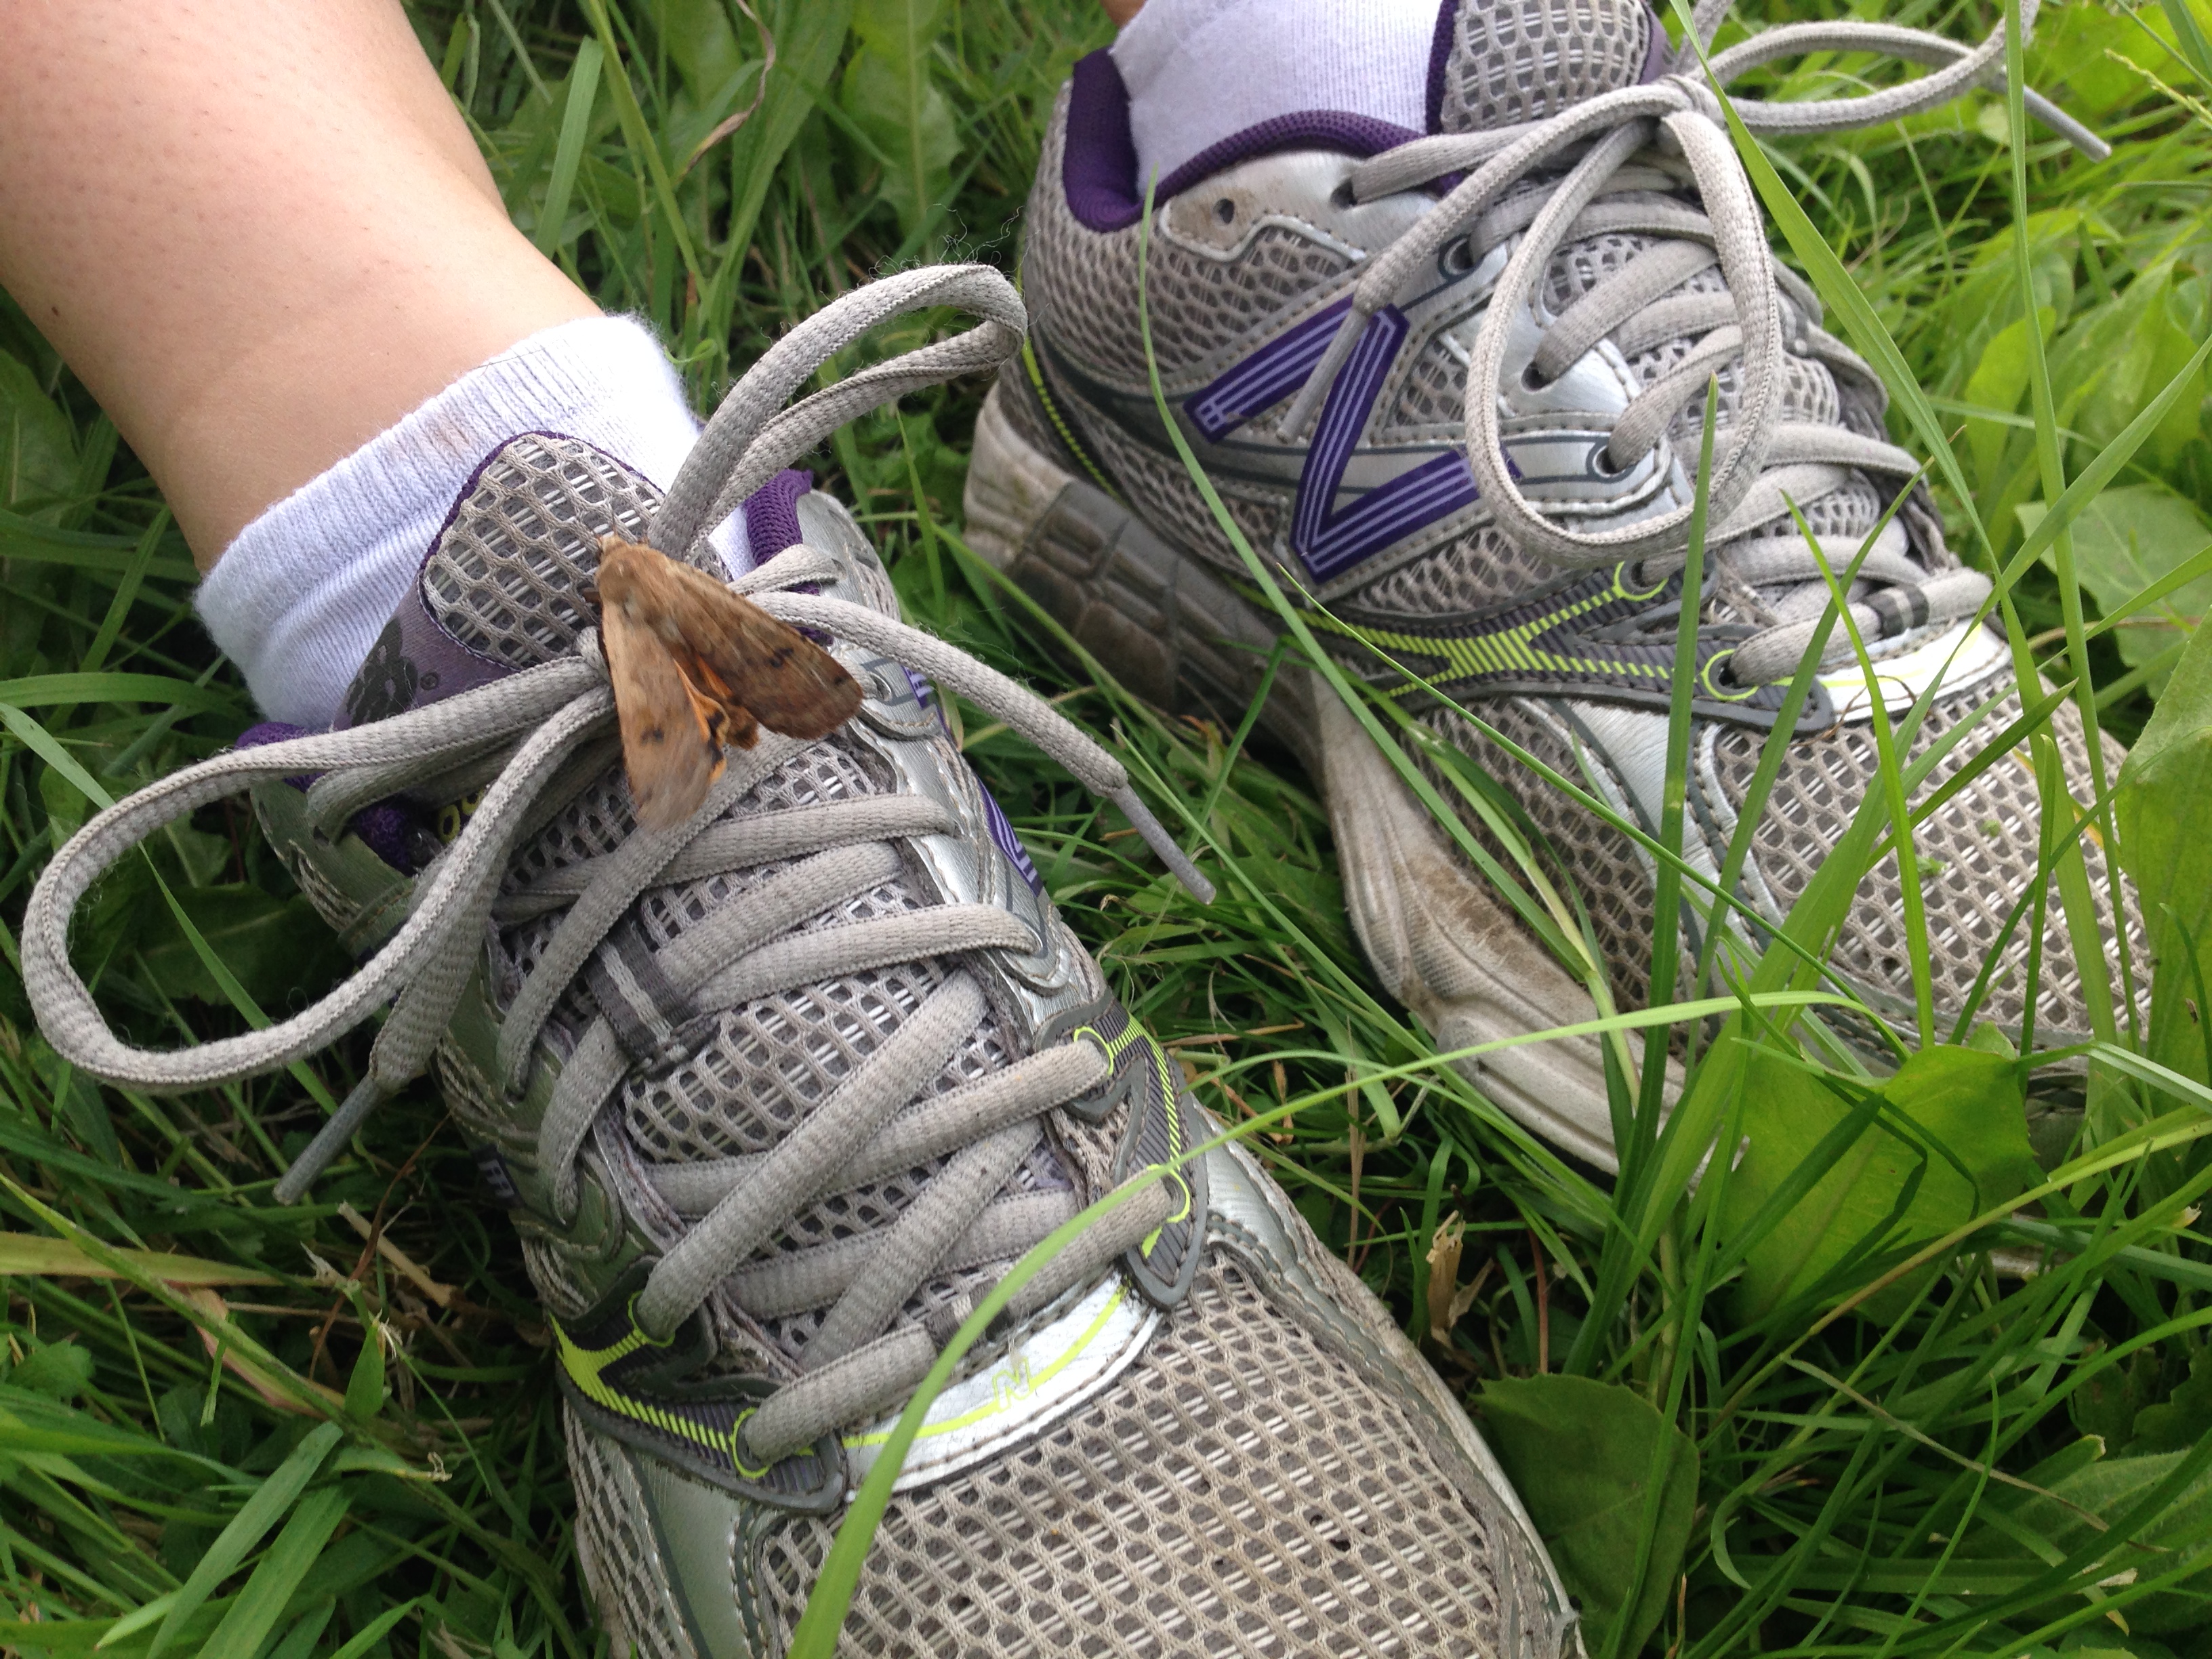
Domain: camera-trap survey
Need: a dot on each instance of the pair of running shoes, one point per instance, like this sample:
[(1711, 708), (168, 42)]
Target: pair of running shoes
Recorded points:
[(776, 1098)]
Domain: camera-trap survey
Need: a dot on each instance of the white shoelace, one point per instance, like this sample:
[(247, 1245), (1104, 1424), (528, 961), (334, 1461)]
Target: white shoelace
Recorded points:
[(1631, 151), (536, 738)]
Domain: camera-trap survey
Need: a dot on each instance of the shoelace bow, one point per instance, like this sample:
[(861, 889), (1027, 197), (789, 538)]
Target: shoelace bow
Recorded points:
[(1614, 182), (536, 739)]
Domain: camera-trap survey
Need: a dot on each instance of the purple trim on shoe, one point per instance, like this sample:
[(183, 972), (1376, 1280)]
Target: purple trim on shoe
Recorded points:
[(1362, 136), (1655, 51), (1330, 539), (1098, 164), (387, 829), (995, 815), (414, 661), (1002, 833), (772, 514), (1440, 52), (1266, 377), (1099, 161)]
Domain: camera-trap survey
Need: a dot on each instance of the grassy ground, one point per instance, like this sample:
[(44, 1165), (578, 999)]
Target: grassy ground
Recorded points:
[(1954, 1463)]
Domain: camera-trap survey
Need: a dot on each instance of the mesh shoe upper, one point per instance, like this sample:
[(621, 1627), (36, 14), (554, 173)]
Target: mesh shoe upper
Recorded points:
[(774, 1099), (1249, 274)]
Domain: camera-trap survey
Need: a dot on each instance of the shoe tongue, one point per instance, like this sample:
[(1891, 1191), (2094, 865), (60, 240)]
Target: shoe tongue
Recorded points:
[(502, 588), (1510, 61)]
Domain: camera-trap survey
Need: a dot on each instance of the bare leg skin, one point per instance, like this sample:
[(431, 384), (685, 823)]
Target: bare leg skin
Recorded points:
[(1122, 10), (258, 231)]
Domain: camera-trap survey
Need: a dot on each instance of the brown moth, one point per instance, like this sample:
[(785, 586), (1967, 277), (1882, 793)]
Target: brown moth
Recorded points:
[(697, 668)]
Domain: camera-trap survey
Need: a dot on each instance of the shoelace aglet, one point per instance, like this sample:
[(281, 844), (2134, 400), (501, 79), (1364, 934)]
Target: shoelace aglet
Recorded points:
[(331, 1139), (1157, 837)]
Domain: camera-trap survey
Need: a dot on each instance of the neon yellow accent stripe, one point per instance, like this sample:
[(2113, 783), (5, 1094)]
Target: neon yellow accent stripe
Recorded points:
[(1003, 1398), (1504, 650), (1059, 421), (584, 1367), (1170, 1093)]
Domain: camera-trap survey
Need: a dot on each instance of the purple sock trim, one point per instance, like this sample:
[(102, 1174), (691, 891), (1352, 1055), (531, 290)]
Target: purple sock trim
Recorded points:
[(772, 514), (1098, 167), (1440, 53)]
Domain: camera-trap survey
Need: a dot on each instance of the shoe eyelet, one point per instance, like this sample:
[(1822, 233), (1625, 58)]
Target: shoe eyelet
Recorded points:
[(1601, 473), (1226, 210)]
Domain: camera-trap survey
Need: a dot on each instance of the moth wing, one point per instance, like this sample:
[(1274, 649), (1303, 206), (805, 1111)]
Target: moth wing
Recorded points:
[(790, 685), (670, 735)]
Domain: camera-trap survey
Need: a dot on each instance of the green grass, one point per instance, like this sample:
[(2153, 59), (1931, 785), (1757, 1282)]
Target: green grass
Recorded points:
[(1860, 1440)]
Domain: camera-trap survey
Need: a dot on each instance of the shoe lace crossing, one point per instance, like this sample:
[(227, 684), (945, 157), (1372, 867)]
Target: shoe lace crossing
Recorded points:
[(1620, 162), (531, 741)]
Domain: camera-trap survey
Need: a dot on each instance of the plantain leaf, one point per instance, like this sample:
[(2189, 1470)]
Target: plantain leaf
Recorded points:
[(278, 948), (1829, 1191), (1582, 1453), (890, 97), (2159, 797), (38, 445), (2124, 541)]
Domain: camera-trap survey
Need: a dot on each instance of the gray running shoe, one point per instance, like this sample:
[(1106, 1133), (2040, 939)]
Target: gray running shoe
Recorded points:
[(775, 1098), (1451, 383)]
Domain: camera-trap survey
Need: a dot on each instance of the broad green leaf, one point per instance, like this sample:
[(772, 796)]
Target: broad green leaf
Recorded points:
[(2183, 1417), (247, 1527), (60, 1371), (1999, 381), (277, 948), (38, 445), (1581, 1452), (1947, 1140), (262, 1602), (890, 96), (810, 36), (699, 40), (2083, 1506), (2127, 539), (2160, 797)]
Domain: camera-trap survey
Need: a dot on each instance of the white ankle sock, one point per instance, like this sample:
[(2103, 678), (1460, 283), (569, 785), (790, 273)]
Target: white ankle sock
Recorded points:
[(299, 598), (1199, 71)]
